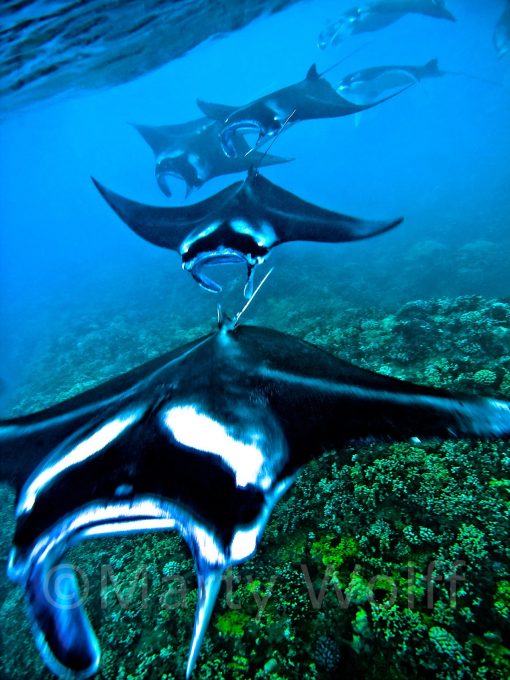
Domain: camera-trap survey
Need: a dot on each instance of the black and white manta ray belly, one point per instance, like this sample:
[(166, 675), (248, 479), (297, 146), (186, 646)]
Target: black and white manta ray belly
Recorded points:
[(203, 440), (249, 244)]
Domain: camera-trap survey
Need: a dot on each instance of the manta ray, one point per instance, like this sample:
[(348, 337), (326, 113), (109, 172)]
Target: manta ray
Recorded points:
[(192, 152), (501, 37), (376, 15), (240, 224), (311, 98), (204, 440), (369, 84)]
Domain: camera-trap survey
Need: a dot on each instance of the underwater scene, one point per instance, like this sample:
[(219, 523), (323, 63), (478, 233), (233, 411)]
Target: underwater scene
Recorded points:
[(255, 339)]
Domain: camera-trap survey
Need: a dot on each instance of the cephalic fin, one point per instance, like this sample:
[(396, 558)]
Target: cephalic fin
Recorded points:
[(248, 286), (209, 582), (63, 632)]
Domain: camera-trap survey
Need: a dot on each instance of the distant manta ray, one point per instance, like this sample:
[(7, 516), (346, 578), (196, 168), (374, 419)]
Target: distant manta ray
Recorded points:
[(379, 14), (205, 440), (311, 98), (192, 152), (240, 224), (369, 84), (501, 37)]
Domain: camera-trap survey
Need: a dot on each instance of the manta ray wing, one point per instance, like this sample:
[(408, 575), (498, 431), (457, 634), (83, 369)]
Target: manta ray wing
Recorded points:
[(161, 138), (166, 227), (219, 112), (323, 402), (26, 440), (294, 219)]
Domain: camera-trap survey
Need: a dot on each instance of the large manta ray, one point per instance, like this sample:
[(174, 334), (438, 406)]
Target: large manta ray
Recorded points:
[(205, 440), (370, 84), (192, 152), (311, 98), (239, 224), (376, 15)]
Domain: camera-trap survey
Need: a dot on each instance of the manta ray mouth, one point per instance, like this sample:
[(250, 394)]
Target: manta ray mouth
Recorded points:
[(247, 129), (224, 256), (63, 632), (166, 179)]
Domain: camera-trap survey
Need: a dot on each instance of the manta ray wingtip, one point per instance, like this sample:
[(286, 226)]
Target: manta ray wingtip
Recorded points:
[(370, 229), (105, 193), (97, 184)]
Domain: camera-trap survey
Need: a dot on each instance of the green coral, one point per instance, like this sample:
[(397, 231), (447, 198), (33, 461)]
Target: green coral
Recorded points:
[(502, 599), (485, 377), (232, 623), (334, 552)]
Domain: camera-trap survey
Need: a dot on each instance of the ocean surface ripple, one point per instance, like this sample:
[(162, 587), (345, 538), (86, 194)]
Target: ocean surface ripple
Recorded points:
[(50, 47)]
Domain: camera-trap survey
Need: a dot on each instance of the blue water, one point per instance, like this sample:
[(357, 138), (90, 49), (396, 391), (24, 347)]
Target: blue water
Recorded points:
[(437, 154)]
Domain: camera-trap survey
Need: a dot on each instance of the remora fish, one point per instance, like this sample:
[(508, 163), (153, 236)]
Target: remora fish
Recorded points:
[(192, 152), (311, 98), (376, 15), (205, 440), (501, 37), (240, 224), (370, 84)]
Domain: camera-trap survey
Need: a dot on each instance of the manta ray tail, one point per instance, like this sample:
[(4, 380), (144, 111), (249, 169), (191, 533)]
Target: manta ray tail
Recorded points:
[(219, 112)]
